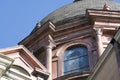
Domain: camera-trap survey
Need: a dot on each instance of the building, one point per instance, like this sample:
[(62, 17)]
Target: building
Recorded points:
[(17, 63), (108, 66), (69, 42)]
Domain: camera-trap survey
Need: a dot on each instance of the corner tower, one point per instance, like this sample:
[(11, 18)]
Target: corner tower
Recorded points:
[(70, 40)]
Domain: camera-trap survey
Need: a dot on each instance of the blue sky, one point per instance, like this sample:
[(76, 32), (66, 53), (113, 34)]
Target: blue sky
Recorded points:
[(19, 17)]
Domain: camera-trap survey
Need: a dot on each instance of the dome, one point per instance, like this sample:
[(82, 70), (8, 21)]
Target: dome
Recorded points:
[(78, 8)]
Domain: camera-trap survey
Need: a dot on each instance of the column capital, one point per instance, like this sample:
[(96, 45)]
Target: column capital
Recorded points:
[(48, 47), (98, 31), (49, 42)]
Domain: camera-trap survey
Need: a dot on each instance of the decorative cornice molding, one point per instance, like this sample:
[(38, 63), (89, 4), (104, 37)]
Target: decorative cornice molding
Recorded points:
[(48, 28), (25, 52), (93, 13), (38, 72)]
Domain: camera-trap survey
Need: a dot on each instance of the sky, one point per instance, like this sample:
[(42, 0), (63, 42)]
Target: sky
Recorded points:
[(19, 17)]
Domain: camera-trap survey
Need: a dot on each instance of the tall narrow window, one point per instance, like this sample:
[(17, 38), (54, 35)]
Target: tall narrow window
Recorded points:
[(75, 59)]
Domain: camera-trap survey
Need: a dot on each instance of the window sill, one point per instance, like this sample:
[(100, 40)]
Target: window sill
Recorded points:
[(74, 76)]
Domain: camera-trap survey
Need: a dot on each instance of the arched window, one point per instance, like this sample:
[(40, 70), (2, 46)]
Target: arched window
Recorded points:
[(75, 59)]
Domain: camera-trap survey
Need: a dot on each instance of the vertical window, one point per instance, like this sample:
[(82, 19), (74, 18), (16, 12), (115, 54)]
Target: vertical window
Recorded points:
[(75, 59)]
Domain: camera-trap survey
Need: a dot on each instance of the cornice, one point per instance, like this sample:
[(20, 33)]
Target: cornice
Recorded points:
[(94, 13), (28, 55), (47, 29)]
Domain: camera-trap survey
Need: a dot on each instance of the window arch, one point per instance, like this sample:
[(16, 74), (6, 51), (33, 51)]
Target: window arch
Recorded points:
[(19, 70), (75, 59), (16, 72)]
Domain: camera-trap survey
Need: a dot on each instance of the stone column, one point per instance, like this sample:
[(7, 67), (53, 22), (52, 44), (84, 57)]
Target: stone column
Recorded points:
[(49, 60), (99, 41)]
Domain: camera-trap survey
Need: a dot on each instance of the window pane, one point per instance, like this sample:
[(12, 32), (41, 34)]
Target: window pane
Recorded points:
[(71, 65), (75, 52), (73, 71), (75, 59), (83, 61)]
